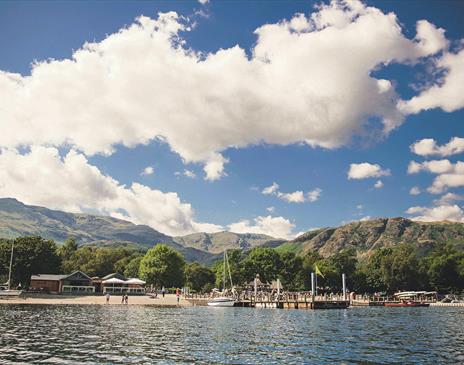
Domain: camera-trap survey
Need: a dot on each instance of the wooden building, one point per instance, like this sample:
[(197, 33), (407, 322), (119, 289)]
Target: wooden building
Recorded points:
[(75, 283)]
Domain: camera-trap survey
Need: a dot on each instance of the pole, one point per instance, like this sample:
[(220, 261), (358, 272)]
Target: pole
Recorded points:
[(224, 274), (256, 288), (11, 265), (344, 286), (313, 286)]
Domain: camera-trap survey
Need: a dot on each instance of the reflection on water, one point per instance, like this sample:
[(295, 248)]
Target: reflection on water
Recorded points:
[(144, 335)]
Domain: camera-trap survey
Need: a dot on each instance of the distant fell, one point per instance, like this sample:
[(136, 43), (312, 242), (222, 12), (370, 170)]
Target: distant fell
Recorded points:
[(366, 236), (218, 242)]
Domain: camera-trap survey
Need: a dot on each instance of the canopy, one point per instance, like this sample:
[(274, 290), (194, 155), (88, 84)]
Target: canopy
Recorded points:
[(113, 281), (135, 281)]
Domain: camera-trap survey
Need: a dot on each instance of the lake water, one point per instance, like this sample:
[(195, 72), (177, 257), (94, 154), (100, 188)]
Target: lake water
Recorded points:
[(143, 335)]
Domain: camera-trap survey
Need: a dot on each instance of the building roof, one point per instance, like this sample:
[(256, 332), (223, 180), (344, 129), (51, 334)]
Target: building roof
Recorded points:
[(114, 275), (48, 277)]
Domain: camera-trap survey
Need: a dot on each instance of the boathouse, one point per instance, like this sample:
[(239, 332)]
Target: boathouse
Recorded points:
[(75, 283)]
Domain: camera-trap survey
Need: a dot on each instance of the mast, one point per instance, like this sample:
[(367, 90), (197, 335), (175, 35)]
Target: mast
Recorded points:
[(224, 273), (11, 265)]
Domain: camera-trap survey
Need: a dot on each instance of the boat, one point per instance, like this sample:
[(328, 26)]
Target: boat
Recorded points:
[(6, 291), (409, 303), (224, 301)]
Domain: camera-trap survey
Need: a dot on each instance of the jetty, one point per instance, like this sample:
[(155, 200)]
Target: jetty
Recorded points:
[(282, 300)]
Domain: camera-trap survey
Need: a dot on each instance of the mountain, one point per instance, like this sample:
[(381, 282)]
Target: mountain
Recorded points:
[(18, 219), (216, 243), (366, 236)]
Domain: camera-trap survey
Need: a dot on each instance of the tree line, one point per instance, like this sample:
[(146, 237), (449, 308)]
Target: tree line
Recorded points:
[(437, 267)]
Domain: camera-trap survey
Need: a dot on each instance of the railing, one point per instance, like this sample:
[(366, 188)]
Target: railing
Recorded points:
[(77, 289), (121, 290)]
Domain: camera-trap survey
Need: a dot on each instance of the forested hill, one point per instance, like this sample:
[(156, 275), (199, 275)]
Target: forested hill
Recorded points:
[(218, 242), (18, 219), (367, 236)]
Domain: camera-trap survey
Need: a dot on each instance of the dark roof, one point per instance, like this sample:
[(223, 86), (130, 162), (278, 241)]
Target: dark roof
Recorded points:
[(49, 277), (78, 275), (114, 275)]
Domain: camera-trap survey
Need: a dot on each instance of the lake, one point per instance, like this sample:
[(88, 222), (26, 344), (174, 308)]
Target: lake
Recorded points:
[(99, 334)]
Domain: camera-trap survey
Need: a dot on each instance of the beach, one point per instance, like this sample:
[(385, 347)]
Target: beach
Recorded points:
[(168, 300)]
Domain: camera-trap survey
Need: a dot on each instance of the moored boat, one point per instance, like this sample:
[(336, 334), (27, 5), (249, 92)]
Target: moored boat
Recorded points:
[(224, 301), (406, 304)]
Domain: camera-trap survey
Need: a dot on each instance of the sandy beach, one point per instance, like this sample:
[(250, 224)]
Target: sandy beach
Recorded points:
[(168, 300)]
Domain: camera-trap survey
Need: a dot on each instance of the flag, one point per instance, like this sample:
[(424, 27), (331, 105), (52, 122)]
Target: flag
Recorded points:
[(318, 272)]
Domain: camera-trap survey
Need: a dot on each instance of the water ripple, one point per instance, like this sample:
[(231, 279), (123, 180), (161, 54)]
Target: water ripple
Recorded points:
[(35, 334)]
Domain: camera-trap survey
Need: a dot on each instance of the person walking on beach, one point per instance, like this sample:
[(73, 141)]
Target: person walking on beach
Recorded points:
[(126, 299), (163, 291), (178, 295), (107, 298), (122, 298)]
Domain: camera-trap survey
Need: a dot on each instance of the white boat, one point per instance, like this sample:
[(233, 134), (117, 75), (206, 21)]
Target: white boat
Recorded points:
[(224, 301), (8, 292), (221, 302)]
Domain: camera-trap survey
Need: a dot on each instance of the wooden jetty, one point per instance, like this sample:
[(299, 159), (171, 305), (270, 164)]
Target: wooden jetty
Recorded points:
[(285, 301)]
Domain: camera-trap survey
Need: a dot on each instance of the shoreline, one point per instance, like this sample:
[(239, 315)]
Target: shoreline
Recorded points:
[(169, 300)]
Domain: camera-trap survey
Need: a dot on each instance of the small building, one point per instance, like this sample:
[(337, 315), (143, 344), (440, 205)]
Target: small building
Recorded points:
[(116, 283), (75, 283)]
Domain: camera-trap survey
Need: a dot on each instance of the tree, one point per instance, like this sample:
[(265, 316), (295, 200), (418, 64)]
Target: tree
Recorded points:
[(197, 277), (32, 255), (291, 272), (162, 266), (444, 268), (263, 261), (132, 268), (66, 251)]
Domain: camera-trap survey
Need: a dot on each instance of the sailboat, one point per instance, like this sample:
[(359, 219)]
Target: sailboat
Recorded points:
[(224, 301), (10, 292)]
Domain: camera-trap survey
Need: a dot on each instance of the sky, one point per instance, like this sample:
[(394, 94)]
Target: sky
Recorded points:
[(271, 117)]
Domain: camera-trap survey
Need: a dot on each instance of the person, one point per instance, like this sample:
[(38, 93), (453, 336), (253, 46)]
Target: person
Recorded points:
[(163, 291), (107, 298), (122, 298), (126, 299), (178, 295)]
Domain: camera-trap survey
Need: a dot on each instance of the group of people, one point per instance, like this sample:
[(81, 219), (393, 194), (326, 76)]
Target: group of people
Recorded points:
[(124, 298)]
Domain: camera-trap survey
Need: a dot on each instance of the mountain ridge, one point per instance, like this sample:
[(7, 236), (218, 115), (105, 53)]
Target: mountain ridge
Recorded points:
[(366, 236)]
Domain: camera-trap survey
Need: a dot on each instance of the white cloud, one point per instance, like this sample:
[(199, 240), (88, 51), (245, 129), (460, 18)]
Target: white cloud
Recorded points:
[(415, 190), (448, 199), (278, 227), (203, 2), (187, 173), (366, 170), (148, 171), (79, 187), (145, 83), (446, 93), (428, 147), (190, 174), (295, 197), (272, 189), (434, 166), (439, 213), (378, 184), (270, 209), (314, 195), (214, 167), (449, 175), (365, 218)]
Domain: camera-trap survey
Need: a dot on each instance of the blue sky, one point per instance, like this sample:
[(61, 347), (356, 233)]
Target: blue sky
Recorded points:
[(97, 143)]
